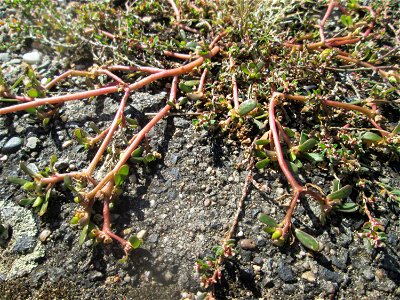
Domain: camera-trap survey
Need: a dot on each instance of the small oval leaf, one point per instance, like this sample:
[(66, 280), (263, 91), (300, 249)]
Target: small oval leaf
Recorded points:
[(307, 240), (267, 220), (341, 193), (347, 207), (246, 107), (16, 180), (307, 145), (371, 137), (263, 163), (135, 242)]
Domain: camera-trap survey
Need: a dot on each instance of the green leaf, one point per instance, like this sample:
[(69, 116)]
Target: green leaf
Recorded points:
[(335, 185), (371, 137), (83, 235), (260, 154), (263, 163), (28, 170), (293, 167), (53, 161), (26, 202), (303, 137), (347, 20), (94, 127), (246, 107), (341, 193), (267, 220), (33, 93), (74, 220), (245, 70), (307, 240), (347, 207), (307, 145), (218, 250), (396, 130), (81, 136), (137, 152), (289, 132), (43, 208), (314, 157), (262, 142), (31, 110), (121, 175), (29, 186), (135, 241), (39, 201), (16, 180)]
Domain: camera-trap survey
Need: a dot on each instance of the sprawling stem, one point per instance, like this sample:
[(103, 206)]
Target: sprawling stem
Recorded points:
[(107, 90), (109, 135), (139, 137)]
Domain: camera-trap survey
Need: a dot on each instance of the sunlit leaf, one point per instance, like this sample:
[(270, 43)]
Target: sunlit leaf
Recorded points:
[(341, 193), (307, 145), (135, 241), (347, 207), (307, 240), (16, 180), (246, 107), (263, 163), (371, 137), (267, 220)]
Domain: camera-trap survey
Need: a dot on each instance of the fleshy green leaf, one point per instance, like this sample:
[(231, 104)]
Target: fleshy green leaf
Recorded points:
[(267, 220), (246, 107), (29, 186), (83, 235), (341, 193), (307, 240), (303, 137), (263, 163), (25, 201), (135, 241), (16, 180), (137, 152), (335, 185), (43, 208), (314, 157), (33, 93), (262, 142), (289, 132), (347, 207), (27, 170), (39, 201), (121, 175), (396, 130), (307, 145), (371, 137)]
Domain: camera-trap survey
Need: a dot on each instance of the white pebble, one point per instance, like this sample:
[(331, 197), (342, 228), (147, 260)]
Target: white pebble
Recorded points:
[(32, 58)]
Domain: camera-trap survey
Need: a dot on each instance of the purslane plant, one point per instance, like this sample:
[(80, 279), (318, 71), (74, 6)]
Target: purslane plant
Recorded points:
[(253, 99)]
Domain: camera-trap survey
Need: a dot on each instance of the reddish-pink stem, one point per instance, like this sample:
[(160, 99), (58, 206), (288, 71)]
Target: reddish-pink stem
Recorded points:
[(109, 135), (139, 137)]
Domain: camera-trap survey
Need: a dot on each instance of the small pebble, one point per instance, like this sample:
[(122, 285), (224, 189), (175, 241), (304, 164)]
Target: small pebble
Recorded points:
[(309, 276), (12, 144), (44, 235), (4, 57), (32, 142), (207, 202), (247, 244), (32, 58)]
